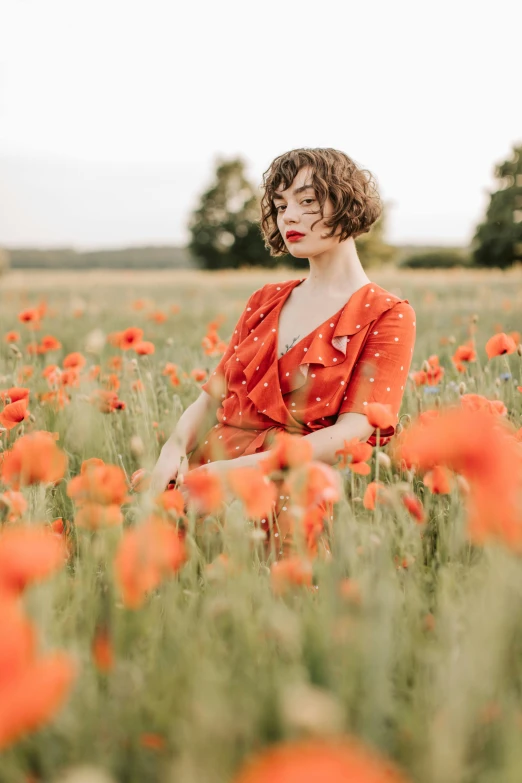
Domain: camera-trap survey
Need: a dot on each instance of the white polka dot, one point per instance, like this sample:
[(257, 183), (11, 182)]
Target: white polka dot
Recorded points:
[(366, 305), (372, 380), (293, 403), (237, 359), (318, 399), (265, 384), (335, 358), (320, 358), (243, 382), (388, 299), (213, 373), (306, 349), (262, 315), (208, 460), (376, 332), (313, 375), (222, 396), (331, 324), (344, 398), (235, 332), (255, 338), (249, 308), (320, 335), (287, 373), (358, 326), (220, 436), (364, 403), (284, 509), (273, 330), (377, 354), (237, 448), (240, 413), (402, 387), (224, 418), (281, 497), (342, 383), (327, 404), (264, 410), (387, 388), (402, 368), (414, 323), (401, 315), (396, 339), (372, 290), (278, 288), (206, 442), (257, 368)]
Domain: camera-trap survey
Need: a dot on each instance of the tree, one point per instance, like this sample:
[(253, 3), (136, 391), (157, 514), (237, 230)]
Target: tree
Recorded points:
[(498, 240), (224, 228)]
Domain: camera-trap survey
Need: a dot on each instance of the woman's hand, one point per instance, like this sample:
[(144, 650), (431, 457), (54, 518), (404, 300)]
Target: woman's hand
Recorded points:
[(172, 460)]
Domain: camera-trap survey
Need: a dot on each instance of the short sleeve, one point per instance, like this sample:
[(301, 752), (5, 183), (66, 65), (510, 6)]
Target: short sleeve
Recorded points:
[(216, 384), (381, 372)]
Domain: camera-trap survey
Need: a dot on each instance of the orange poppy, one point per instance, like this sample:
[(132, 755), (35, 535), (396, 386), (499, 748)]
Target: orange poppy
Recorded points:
[(143, 348), (359, 452), (106, 401), (14, 394), (171, 500), (29, 316), (129, 337), (414, 506), (311, 760), (34, 458), (198, 374), (483, 449), (500, 344), (438, 480), (290, 572), (255, 490), (74, 361), (12, 337), (205, 490), (314, 483), (475, 402), (14, 414), (34, 696), (379, 415), (28, 554), (93, 516), (289, 451), (49, 343), (146, 555), (105, 484), (375, 492)]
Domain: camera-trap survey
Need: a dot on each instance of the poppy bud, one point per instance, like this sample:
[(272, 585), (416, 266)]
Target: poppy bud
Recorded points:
[(462, 388)]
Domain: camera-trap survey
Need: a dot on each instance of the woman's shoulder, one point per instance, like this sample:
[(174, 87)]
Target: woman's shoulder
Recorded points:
[(270, 291)]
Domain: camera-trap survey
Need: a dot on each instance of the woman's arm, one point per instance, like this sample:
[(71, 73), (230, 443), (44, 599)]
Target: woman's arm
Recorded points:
[(325, 442), (193, 423)]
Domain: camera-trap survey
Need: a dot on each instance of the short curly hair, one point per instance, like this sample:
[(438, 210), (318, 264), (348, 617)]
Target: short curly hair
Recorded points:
[(352, 191)]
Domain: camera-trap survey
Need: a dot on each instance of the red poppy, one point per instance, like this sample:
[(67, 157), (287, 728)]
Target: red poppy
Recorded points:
[(500, 344), (359, 452), (34, 458), (14, 414)]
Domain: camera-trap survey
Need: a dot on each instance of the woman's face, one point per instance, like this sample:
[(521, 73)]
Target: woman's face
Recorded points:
[(298, 211)]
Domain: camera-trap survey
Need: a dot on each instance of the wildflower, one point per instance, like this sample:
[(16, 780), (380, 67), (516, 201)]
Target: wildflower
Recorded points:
[(290, 572), (414, 506), (74, 361), (146, 555), (310, 760), (438, 480), (143, 348), (375, 492), (14, 394), (500, 344), (102, 650), (287, 452), (255, 490), (359, 452), (129, 337), (379, 416), (35, 458), (14, 414), (28, 554), (205, 490), (32, 688), (12, 337)]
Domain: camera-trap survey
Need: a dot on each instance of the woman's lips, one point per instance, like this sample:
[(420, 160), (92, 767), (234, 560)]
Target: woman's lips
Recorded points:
[(295, 237)]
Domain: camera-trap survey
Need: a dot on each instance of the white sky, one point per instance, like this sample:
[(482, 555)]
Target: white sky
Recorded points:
[(112, 112)]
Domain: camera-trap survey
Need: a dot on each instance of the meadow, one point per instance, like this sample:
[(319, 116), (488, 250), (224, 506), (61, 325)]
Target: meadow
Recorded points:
[(185, 654)]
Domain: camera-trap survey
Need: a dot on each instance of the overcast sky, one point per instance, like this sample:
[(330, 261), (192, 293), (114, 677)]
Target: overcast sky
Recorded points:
[(112, 112)]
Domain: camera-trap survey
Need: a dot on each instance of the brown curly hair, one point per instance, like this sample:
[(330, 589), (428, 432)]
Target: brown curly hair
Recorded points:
[(352, 191)]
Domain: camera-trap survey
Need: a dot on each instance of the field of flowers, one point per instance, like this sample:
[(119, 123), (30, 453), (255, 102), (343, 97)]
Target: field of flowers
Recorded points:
[(143, 639)]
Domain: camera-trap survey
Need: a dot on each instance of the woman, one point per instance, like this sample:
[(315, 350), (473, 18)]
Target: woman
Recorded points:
[(306, 355)]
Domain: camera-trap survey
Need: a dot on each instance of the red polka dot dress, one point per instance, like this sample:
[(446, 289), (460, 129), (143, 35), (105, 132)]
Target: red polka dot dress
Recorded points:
[(361, 354)]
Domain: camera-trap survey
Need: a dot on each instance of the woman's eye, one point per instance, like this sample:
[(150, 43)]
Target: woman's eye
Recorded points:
[(302, 202)]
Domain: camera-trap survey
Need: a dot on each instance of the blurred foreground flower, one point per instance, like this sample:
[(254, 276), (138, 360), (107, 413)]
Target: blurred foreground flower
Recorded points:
[(314, 761), (34, 458)]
